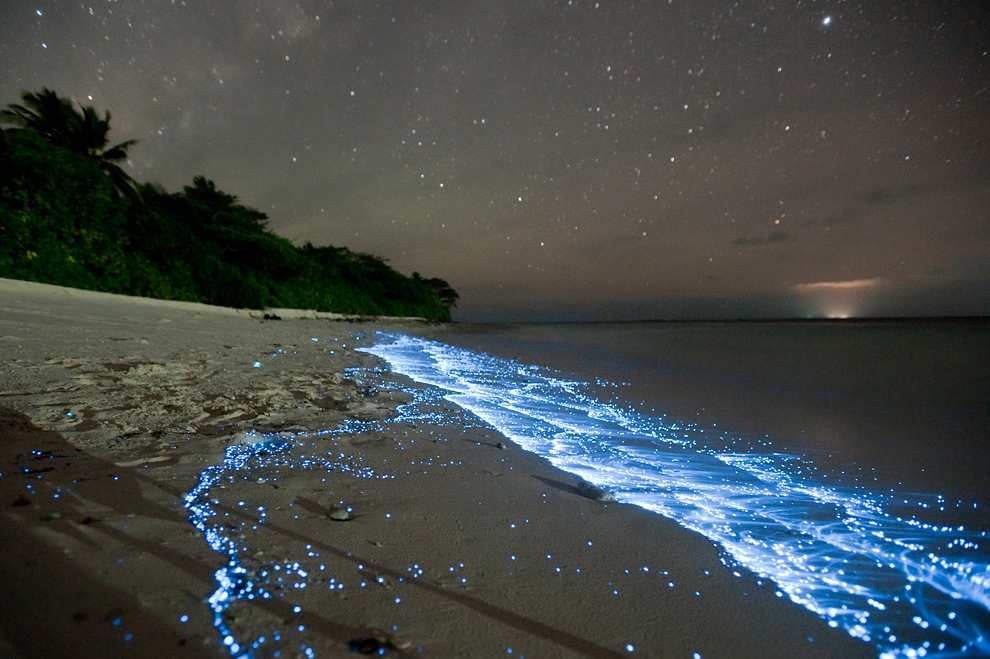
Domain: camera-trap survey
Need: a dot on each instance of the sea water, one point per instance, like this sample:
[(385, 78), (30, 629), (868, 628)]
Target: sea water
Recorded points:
[(846, 461)]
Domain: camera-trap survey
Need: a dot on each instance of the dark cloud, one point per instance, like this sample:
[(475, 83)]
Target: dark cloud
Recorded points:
[(775, 237), (886, 195), (960, 287)]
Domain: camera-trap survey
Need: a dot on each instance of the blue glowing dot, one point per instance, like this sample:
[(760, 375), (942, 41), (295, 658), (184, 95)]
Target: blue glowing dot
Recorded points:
[(183, 618), (827, 20), (629, 647), (257, 364)]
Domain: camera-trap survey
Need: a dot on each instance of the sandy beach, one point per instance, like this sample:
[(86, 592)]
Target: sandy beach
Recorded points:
[(339, 522)]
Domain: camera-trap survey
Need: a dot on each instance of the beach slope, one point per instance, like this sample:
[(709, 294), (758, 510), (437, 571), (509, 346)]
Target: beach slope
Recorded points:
[(179, 480)]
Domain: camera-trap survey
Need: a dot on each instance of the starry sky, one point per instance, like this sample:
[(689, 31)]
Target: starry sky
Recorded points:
[(568, 159)]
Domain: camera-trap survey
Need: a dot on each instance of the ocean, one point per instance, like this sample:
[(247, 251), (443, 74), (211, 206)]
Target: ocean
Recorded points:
[(847, 461)]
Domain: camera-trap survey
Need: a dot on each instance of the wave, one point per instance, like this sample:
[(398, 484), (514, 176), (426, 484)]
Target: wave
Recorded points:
[(912, 587)]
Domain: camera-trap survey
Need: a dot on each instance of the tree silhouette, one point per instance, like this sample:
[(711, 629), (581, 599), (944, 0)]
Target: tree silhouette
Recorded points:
[(58, 121), (445, 293), (44, 113), (63, 221)]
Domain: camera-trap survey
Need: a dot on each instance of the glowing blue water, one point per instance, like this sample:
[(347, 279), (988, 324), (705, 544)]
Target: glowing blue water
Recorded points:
[(913, 587), (231, 529)]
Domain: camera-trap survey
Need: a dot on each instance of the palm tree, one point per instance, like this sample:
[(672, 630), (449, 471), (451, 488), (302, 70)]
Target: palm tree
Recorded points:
[(58, 121), (45, 113)]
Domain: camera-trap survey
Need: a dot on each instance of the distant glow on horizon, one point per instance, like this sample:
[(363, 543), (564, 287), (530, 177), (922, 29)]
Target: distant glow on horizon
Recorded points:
[(830, 312), (839, 312), (839, 299), (837, 285)]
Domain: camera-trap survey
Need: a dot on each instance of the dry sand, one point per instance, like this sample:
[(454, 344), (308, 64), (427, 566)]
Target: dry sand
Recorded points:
[(113, 408)]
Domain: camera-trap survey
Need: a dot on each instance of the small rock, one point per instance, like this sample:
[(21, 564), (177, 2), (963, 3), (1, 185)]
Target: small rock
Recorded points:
[(366, 646), (341, 515), (376, 642), (500, 445), (595, 493)]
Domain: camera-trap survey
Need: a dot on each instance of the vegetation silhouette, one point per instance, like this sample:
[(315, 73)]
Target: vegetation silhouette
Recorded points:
[(82, 131), (69, 215)]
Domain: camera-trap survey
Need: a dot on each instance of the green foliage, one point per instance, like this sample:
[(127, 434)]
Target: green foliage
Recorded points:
[(62, 221), (81, 131), (445, 293), (371, 287)]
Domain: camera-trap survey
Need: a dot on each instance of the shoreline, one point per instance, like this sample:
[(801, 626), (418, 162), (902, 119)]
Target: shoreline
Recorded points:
[(118, 405)]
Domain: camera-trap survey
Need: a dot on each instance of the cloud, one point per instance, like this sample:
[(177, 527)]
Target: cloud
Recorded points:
[(887, 194), (775, 237), (959, 287), (858, 207), (847, 215), (853, 284)]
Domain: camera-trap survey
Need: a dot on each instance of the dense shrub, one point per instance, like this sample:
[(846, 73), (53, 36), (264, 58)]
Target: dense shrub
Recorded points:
[(68, 216), (61, 219)]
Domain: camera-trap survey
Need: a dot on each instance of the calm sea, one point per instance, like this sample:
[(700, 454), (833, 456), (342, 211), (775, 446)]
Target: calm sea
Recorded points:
[(848, 461)]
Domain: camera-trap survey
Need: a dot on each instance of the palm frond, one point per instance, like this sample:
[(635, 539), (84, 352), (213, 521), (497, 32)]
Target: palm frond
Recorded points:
[(117, 152), (82, 130)]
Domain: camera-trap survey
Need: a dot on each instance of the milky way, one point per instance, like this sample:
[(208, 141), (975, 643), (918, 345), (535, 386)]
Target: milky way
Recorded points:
[(571, 159)]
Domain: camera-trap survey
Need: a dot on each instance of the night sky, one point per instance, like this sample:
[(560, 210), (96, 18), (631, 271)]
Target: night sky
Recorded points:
[(568, 159)]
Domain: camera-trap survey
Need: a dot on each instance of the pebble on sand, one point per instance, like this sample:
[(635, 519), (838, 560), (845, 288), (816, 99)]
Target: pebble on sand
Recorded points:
[(595, 493)]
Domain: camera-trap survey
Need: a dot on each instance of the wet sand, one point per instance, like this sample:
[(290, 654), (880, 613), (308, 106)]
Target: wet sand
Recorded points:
[(112, 408)]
